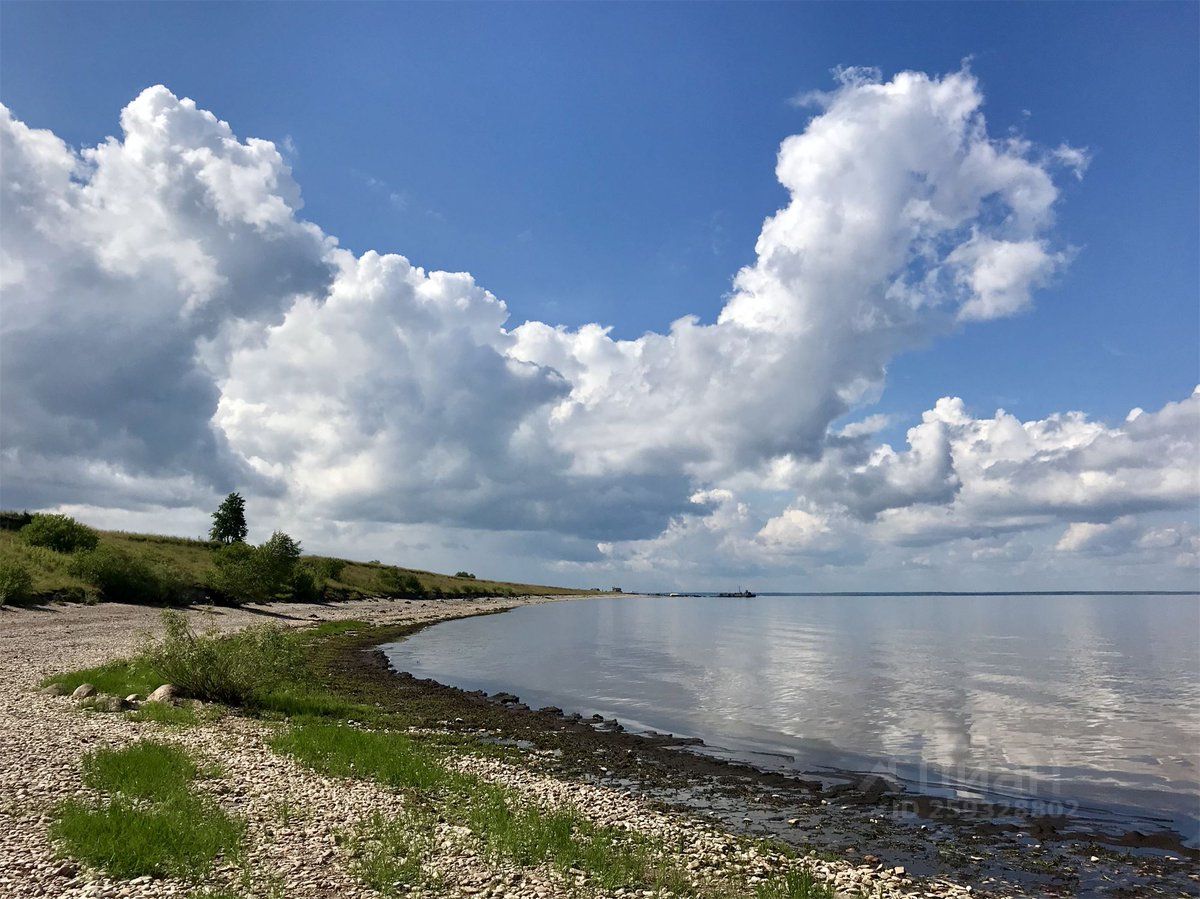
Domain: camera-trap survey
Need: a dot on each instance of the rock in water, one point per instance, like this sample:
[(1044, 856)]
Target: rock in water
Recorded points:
[(165, 693), (83, 691)]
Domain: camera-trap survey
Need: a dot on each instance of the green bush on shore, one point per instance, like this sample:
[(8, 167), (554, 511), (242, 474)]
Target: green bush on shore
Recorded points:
[(15, 582), (237, 670), (121, 576), (324, 568), (393, 582), (247, 573), (61, 533)]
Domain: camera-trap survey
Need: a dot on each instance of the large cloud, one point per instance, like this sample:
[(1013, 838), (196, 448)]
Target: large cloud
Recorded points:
[(121, 265), (903, 217), (172, 327)]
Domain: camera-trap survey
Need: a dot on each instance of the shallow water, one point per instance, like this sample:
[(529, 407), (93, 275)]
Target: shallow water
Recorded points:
[(1088, 705)]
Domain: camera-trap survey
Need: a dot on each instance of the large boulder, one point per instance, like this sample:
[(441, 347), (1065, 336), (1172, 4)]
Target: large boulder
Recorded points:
[(84, 691), (165, 693)]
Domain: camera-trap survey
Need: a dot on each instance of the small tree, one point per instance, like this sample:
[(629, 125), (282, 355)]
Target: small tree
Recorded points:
[(229, 521)]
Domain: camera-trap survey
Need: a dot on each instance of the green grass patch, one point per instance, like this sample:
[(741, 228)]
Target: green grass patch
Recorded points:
[(391, 854), (563, 837), (145, 770), (522, 833), (181, 837), (152, 823), (166, 714), (386, 756), (122, 678), (794, 885)]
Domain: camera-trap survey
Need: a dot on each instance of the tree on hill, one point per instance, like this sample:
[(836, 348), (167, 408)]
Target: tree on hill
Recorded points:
[(229, 521)]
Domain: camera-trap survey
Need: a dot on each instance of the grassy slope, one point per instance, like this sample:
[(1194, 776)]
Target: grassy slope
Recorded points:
[(192, 559)]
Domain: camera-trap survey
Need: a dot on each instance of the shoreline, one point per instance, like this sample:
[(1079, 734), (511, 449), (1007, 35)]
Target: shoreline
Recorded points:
[(632, 777), (681, 769)]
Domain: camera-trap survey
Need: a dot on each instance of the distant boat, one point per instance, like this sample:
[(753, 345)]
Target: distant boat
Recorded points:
[(741, 594)]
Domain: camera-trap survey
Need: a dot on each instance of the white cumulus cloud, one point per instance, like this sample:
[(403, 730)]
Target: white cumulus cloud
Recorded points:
[(203, 336)]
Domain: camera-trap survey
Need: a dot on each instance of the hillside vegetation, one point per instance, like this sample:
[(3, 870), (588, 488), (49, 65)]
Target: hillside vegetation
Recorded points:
[(120, 566)]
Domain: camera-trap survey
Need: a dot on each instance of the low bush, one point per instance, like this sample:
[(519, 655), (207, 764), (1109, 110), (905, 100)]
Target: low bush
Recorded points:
[(464, 574), (16, 583), (247, 573), (325, 569), (11, 520), (61, 533), (393, 582), (120, 576), (237, 670)]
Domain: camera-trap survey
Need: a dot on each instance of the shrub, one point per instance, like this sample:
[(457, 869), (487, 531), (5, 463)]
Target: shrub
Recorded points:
[(61, 533), (13, 520), (261, 573), (465, 574), (278, 558), (324, 569), (393, 582), (236, 670), (15, 582), (237, 574), (121, 576)]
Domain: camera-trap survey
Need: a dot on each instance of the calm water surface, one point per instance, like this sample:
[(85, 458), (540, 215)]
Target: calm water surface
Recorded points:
[(1090, 704)]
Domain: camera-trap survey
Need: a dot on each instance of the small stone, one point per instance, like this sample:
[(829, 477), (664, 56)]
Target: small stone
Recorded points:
[(83, 691), (54, 690)]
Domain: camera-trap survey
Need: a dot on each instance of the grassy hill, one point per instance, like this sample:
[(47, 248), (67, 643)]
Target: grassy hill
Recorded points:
[(190, 563)]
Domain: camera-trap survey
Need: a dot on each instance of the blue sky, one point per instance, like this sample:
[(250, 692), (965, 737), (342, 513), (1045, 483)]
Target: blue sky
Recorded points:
[(614, 163)]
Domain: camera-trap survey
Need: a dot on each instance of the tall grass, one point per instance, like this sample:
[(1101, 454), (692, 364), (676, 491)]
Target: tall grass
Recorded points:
[(236, 669)]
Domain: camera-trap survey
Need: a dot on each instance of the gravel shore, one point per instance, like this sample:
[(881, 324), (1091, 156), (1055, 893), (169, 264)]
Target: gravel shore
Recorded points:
[(295, 816)]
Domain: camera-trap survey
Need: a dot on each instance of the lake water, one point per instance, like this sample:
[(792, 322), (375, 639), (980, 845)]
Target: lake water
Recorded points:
[(1088, 704)]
